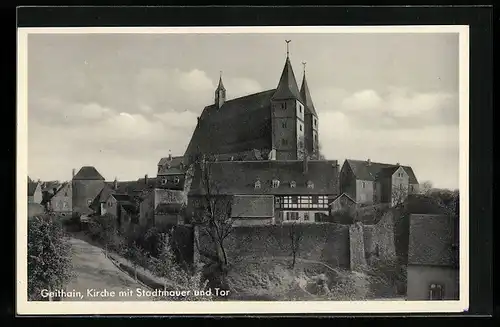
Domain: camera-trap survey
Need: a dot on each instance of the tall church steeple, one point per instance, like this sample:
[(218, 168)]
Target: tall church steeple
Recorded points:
[(287, 86), (306, 94), (220, 93), (310, 119), (288, 115)]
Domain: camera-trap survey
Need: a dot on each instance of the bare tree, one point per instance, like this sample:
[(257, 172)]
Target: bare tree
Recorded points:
[(399, 194), (295, 234), (213, 217)]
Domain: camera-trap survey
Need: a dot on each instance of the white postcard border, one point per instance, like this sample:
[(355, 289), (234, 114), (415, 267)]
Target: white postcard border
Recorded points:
[(25, 307)]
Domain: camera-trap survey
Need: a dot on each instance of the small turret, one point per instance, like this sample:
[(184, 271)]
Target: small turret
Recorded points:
[(220, 93)]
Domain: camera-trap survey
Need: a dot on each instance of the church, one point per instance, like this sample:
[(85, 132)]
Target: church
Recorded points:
[(263, 152), (276, 124)]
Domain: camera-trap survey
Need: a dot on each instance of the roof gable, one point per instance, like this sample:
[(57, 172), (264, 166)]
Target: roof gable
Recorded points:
[(287, 86), (432, 240), (370, 171), (88, 173), (32, 187)]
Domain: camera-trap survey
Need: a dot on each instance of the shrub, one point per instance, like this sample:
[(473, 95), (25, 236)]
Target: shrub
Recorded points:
[(49, 256), (165, 266)]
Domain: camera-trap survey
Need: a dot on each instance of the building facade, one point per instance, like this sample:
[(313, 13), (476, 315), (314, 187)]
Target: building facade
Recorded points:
[(432, 272), (86, 185), (35, 192), (61, 201), (370, 183), (267, 192)]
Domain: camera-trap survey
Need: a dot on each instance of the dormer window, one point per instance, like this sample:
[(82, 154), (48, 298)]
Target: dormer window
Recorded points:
[(176, 180), (276, 183), (293, 184), (163, 181), (257, 184), (310, 184)]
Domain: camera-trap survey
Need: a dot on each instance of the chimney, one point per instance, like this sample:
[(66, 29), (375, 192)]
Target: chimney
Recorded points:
[(146, 179), (306, 163), (115, 184), (74, 173), (369, 162)]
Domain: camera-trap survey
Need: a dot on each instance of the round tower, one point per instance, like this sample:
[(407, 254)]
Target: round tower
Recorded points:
[(86, 185)]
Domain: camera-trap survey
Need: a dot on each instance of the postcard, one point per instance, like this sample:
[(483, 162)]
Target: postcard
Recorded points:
[(242, 170)]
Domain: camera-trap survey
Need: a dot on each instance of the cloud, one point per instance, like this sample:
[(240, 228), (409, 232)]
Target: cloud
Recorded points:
[(399, 108)]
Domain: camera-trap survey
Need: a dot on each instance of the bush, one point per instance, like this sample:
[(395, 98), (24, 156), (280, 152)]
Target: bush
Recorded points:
[(165, 266), (49, 256)]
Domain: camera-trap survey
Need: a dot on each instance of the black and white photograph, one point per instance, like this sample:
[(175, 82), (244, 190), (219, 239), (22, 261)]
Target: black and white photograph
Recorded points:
[(242, 170)]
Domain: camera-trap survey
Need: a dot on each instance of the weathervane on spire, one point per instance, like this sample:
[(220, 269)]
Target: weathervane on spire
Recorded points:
[(287, 47), (304, 64)]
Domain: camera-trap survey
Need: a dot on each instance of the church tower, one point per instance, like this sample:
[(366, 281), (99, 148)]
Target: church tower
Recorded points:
[(287, 116), (310, 119), (220, 94)]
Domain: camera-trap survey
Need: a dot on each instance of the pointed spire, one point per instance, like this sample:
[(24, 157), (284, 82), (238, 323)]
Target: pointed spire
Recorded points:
[(306, 95), (287, 86), (221, 85)]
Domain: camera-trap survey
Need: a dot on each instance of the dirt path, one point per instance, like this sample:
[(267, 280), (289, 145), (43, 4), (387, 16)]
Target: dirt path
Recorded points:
[(93, 271)]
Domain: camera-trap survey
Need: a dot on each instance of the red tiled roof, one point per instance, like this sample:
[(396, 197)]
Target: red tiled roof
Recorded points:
[(432, 240), (88, 173), (370, 171), (239, 177)]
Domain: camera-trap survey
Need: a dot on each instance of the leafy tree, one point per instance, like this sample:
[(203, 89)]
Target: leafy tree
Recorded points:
[(49, 256)]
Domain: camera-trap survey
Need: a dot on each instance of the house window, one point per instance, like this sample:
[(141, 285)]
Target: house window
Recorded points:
[(293, 184), (257, 184), (283, 124), (363, 184), (306, 216), (314, 121), (300, 126), (284, 141), (436, 292), (310, 184), (163, 181), (292, 216), (276, 183), (300, 108), (283, 106), (176, 180)]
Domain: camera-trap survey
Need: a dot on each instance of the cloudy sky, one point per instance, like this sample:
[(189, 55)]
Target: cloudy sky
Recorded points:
[(120, 102)]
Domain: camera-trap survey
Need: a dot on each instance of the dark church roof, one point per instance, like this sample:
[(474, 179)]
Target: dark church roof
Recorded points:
[(239, 177), (287, 86), (306, 96), (371, 171), (433, 240), (239, 125), (88, 173)]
